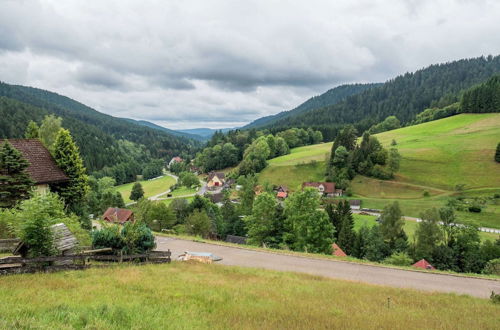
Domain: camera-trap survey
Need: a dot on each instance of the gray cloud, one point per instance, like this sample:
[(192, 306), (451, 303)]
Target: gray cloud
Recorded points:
[(223, 63)]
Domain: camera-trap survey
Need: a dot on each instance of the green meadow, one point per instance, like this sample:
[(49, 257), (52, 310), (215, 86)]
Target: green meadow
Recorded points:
[(151, 187), (436, 156), (200, 296)]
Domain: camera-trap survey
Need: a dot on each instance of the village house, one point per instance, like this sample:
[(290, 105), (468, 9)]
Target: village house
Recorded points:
[(355, 204), (117, 215), (216, 179), (281, 192), (324, 188), (175, 160), (42, 168)]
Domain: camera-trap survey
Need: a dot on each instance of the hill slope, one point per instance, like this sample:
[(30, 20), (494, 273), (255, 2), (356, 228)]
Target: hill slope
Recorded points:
[(330, 97), (166, 130), (436, 156), (404, 96), (20, 104)]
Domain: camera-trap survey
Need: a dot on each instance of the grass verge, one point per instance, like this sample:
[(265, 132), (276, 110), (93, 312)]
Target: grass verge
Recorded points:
[(198, 296)]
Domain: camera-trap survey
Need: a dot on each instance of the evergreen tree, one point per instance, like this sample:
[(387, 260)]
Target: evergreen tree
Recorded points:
[(32, 131), (347, 236), (376, 249), (391, 227), (137, 192), (15, 182), (67, 157), (49, 130), (361, 242), (497, 153), (233, 224), (428, 235)]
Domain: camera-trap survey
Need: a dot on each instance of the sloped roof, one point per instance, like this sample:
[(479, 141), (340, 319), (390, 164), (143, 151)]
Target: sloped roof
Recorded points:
[(424, 264), (220, 175), (42, 168), (337, 251), (329, 186), (115, 214), (281, 194)]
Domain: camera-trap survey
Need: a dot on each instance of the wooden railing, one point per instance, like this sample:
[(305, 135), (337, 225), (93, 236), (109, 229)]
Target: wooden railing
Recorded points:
[(16, 264)]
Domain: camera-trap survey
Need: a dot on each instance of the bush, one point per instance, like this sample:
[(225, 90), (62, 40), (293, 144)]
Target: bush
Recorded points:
[(474, 209), (426, 193), (496, 195), (137, 238), (380, 172), (492, 267), (36, 234), (398, 259), (108, 237), (132, 238), (495, 298)]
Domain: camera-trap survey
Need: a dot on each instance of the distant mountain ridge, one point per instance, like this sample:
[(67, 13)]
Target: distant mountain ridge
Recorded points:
[(99, 136), (166, 130), (205, 133), (404, 96), (330, 97)]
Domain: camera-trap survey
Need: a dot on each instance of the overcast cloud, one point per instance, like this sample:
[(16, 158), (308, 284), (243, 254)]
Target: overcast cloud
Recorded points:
[(185, 64)]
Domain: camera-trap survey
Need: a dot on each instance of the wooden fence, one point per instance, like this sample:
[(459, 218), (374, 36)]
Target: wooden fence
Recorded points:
[(18, 265), (7, 245)]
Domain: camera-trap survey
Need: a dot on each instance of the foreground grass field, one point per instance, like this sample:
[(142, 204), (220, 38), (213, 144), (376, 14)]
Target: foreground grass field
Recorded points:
[(186, 296), (151, 187)]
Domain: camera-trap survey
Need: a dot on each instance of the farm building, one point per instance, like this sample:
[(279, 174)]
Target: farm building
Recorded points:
[(424, 264), (42, 168), (324, 188), (216, 179), (337, 251), (117, 215), (355, 204), (175, 160), (281, 192)]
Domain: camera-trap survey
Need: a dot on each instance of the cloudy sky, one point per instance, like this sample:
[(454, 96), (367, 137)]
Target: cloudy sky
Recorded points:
[(209, 63)]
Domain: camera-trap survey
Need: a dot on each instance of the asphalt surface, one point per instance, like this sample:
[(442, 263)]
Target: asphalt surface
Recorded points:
[(336, 269)]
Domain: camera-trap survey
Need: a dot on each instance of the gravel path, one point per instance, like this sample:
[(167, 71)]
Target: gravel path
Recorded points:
[(336, 269)]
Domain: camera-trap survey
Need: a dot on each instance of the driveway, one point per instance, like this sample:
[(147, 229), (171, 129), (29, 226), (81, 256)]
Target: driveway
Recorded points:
[(235, 256)]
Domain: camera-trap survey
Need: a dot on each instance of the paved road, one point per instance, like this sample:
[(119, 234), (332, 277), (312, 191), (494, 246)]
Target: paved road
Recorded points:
[(336, 269)]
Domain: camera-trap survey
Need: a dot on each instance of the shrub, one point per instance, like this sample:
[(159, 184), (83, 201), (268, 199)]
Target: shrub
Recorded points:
[(108, 237), (495, 298), (137, 238), (132, 238), (380, 172), (492, 267), (474, 209), (398, 259), (426, 193), (496, 195)]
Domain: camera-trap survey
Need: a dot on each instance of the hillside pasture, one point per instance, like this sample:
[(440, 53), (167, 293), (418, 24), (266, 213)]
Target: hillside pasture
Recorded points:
[(450, 151), (293, 176), (151, 187), (200, 296)]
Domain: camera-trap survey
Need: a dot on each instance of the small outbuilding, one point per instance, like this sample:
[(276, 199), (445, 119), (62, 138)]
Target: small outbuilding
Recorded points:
[(216, 179), (424, 264), (117, 215), (337, 251)]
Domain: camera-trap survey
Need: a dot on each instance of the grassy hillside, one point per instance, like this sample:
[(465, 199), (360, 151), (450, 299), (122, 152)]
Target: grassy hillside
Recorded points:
[(449, 151), (198, 296), (151, 187), (436, 156)]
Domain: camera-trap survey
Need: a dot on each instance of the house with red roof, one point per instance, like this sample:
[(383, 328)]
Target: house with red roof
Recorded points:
[(324, 188), (42, 168), (424, 264), (118, 215), (337, 251)]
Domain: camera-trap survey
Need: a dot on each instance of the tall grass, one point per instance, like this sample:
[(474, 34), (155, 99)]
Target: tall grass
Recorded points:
[(189, 296)]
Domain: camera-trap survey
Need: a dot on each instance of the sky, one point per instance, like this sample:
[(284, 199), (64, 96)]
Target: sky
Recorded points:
[(186, 64)]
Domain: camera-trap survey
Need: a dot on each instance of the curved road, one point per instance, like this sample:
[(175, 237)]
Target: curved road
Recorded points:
[(235, 256)]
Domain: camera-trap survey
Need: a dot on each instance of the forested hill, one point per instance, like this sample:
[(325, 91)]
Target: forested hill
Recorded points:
[(103, 140), (166, 130), (330, 97), (404, 96)]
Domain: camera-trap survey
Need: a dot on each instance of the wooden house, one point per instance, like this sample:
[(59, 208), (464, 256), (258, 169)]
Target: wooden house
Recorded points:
[(216, 179), (42, 168), (117, 215), (324, 188)]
